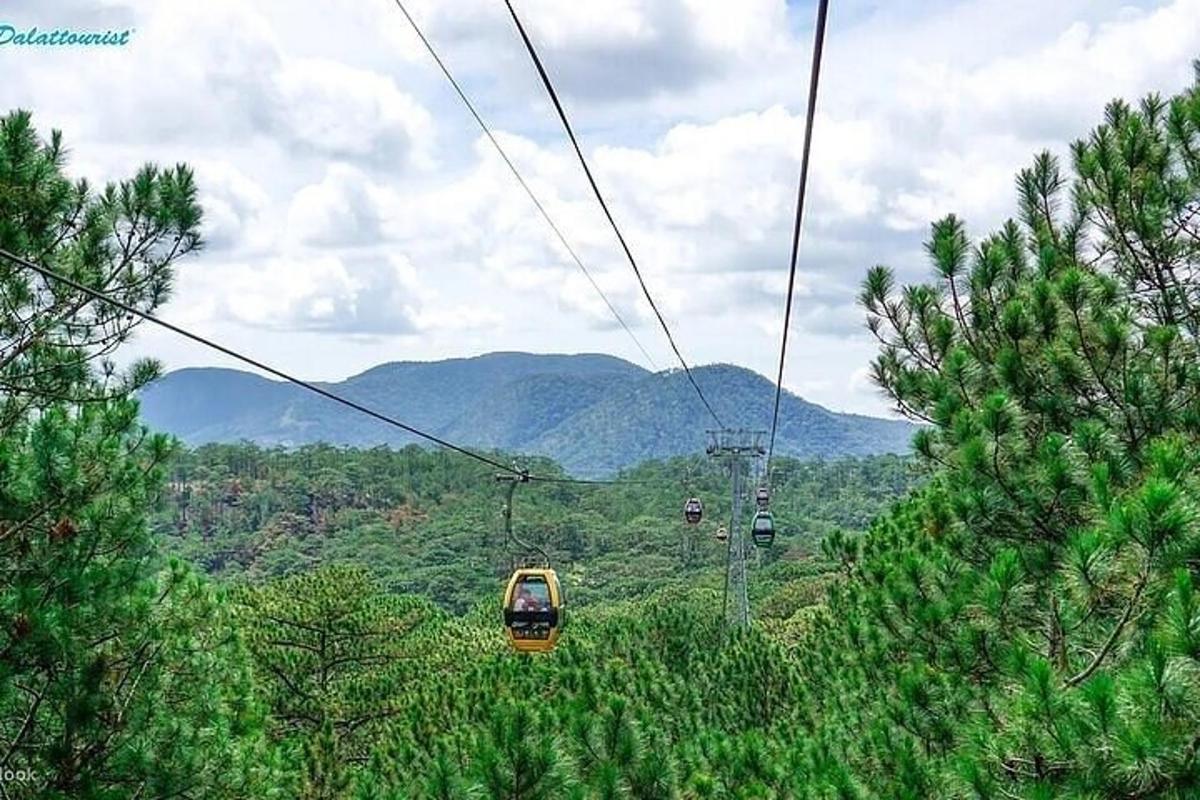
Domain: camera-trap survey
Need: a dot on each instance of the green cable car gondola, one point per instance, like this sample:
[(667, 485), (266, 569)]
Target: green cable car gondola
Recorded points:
[(763, 529), (722, 534)]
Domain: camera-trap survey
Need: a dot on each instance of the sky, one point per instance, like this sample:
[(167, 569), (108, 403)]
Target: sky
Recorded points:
[(355, 215)]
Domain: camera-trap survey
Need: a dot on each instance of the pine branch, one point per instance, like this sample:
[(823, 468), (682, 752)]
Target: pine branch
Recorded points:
[(1111, 642)]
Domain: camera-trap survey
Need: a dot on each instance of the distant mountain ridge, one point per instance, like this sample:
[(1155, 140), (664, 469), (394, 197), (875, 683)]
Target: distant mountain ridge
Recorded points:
[(592, 413)]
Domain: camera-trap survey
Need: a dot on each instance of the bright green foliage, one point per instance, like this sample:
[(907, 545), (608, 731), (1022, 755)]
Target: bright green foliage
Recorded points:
[(338, 656), (115, 681), (380, 695), (430, 523), (1025, 627), (642, 700), (122, 240)]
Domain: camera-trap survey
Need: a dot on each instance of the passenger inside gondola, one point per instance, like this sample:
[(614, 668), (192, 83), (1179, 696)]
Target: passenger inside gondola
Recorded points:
[(532, 595), (531, 602)]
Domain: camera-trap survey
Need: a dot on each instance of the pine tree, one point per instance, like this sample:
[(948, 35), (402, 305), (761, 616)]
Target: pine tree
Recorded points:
[(102, 691), (1021, 628), (341, 659)]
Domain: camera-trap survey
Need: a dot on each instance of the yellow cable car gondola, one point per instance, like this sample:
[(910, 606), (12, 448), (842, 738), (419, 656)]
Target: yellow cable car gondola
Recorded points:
[(534, 611)]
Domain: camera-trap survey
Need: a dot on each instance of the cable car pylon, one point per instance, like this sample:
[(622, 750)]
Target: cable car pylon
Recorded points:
[(737, 449)]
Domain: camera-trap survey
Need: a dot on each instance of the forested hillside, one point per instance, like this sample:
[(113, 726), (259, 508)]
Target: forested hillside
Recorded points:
[(431, 523), (1024, 623), (592, 414)]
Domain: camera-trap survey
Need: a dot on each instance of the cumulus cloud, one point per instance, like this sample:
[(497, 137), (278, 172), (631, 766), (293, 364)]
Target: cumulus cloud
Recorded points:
[(623, 51), (342, 209), (236, 208), (347, 113), (325, 292), (348, 195), (218, 75)]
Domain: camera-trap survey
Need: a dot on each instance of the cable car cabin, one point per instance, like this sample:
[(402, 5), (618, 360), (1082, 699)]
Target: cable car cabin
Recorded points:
[(762, 498), (533, 610), (722, 534), (693, 510), (763, 529)]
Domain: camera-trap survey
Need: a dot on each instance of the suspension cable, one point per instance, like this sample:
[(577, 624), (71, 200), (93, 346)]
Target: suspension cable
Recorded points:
[(814, 79), (537, 62), (487, 131), (96, 294)]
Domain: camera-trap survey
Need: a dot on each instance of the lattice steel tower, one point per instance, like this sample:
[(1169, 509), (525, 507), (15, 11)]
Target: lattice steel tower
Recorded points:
[(737, 449)]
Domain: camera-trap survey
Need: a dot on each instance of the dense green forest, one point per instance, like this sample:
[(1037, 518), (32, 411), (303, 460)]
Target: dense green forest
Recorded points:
[(431, 523), (234, 622)]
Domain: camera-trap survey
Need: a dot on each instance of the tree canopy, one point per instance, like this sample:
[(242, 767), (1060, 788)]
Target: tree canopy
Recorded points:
[(1013, 615)]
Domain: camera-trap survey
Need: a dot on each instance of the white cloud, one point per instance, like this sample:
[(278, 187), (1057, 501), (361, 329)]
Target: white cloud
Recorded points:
[(350, 199), (344, 112), (343, 209), (217, 75), (325, 292), (615, 51), (236, 207)]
